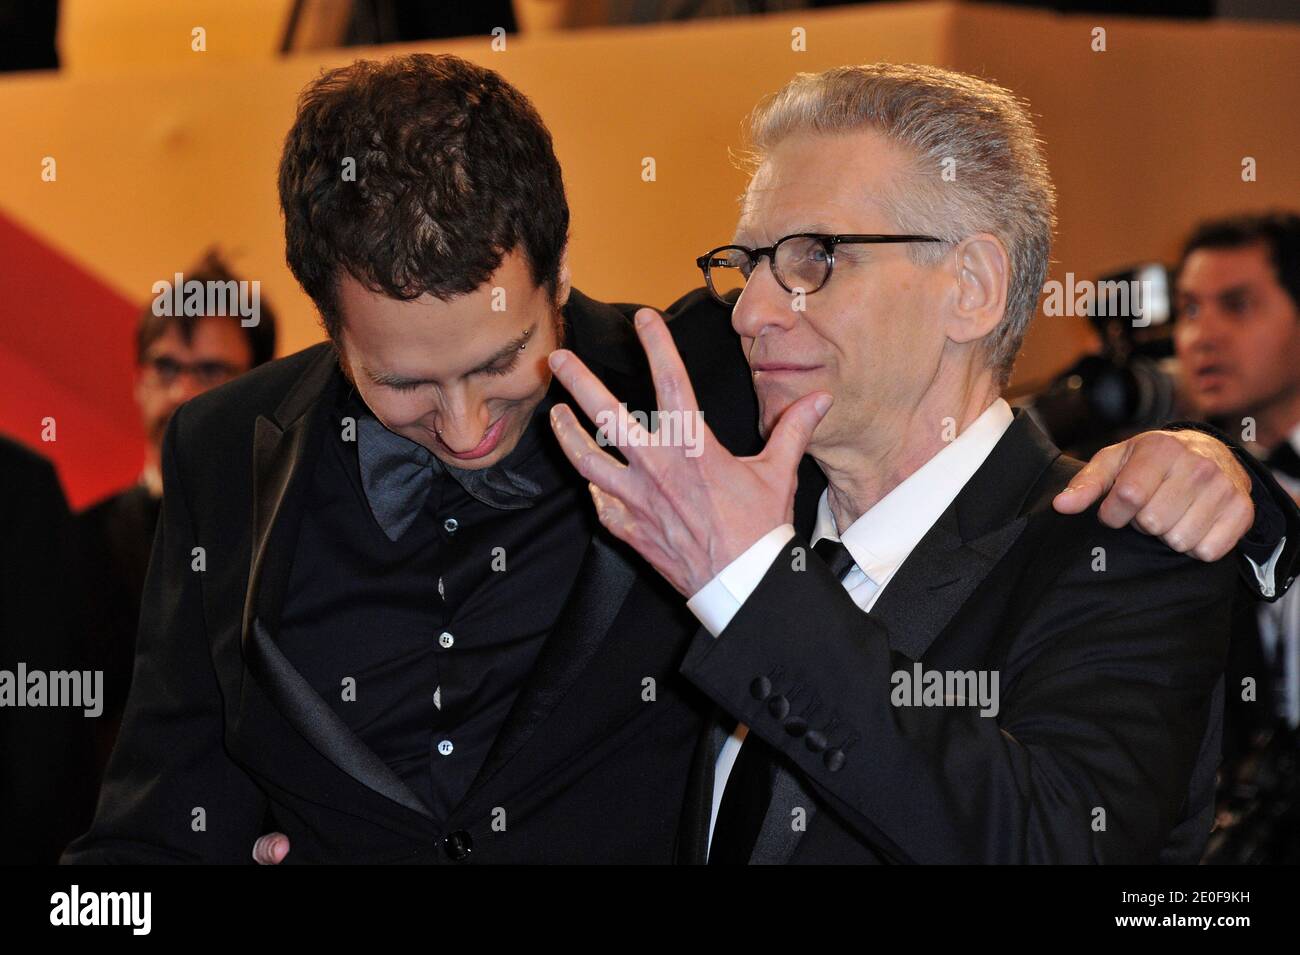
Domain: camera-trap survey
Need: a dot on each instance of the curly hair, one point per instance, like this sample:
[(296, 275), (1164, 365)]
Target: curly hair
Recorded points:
[(453, 169)]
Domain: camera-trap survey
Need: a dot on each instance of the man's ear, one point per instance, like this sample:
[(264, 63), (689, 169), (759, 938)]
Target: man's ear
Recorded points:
[(983, 271), (564, 283)]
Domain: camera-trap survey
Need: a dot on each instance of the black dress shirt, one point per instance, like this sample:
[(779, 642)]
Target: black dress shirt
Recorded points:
[(422, 644)]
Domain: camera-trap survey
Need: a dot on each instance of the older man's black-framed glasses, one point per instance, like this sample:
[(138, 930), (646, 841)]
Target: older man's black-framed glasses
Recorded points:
[(802, 262)]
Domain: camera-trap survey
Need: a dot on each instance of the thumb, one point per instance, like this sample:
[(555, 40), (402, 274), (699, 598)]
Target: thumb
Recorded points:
[(271, 848), (1092, 481), (794, 431)]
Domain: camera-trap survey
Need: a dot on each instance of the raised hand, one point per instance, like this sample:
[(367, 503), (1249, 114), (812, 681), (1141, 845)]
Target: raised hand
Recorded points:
[(688, 515)]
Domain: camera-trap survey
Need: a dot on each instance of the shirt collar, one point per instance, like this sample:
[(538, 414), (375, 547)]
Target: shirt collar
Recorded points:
[(882, 538)]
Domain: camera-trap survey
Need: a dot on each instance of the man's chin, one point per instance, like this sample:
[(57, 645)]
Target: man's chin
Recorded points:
[(472, 464), (1217, 406), (770, 409), (157, 430)]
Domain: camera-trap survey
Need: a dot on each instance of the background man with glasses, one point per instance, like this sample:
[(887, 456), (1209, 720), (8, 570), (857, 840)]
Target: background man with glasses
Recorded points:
[(855, 722), (177, 357)]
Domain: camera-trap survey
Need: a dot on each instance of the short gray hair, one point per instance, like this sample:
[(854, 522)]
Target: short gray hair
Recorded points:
[(942, 118)]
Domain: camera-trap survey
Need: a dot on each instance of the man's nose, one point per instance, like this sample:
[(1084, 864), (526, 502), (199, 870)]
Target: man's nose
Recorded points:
[(183, 388), (763, 303), (1208, 333), (462, 421)]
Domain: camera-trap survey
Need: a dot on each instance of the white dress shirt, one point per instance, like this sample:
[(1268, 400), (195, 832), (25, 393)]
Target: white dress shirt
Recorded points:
[(878, 541)]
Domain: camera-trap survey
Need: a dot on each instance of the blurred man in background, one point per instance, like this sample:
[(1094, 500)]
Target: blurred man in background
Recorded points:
[(1238, 341), (1238, 332), (177, 357)]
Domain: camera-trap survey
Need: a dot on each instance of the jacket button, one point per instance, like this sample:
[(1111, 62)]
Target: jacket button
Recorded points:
[(834, 760), (458, 845), (761, 688), (796, 726), (778, 706), (815, 741)]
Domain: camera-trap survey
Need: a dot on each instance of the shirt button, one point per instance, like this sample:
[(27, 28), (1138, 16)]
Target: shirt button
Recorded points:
[(446, 640), (441, 593), (445, 747), (450, 525)]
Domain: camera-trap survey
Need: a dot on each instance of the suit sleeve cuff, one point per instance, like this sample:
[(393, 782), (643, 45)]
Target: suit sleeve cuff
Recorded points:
[(717, 601), (1270, 550)]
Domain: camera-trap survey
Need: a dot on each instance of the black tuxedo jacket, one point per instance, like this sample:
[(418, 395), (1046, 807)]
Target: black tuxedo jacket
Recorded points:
[(223, 739), (1110, 651)]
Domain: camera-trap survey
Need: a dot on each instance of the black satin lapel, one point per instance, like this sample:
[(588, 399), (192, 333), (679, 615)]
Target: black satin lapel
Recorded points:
[(280, 454), (320, 725), (936, 579), (778, 839), (603, 582), (276, 456)]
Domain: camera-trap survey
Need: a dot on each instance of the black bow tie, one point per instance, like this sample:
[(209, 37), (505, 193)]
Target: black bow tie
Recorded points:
[(398, 474)]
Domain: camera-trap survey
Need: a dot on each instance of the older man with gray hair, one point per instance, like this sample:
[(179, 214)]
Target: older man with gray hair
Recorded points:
[(969, 667)]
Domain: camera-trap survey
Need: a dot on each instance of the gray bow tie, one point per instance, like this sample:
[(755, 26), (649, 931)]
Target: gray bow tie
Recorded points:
[(397, 475)]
